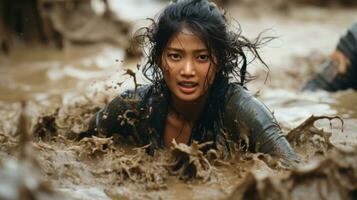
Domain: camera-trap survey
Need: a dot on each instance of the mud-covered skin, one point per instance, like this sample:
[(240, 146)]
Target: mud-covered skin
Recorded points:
[(331, 79), (244, 116)]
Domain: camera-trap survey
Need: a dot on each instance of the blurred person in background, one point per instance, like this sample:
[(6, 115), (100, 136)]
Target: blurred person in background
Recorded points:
[(340, 70)]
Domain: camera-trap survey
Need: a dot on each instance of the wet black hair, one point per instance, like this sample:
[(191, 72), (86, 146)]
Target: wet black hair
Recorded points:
[(209, 23)]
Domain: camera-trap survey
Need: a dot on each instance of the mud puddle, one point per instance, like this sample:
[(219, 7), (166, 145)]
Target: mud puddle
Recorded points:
[(108, 168), (62, 90)]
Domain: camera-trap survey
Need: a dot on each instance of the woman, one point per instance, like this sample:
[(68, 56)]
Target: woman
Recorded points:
[(191, 58)]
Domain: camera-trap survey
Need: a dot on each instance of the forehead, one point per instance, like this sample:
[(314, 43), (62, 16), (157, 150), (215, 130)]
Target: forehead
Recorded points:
[(186, 40)]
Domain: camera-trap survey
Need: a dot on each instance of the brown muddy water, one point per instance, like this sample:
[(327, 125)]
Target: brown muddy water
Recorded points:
[(61, 90)]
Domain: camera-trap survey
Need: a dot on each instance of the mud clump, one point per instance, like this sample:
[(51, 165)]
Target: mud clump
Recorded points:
[(138, 168), (331, 178), (74, 119), (67, 121), (271, 162), (306, 137), (96, 146), (46, 127), (189, 162), (7, 143)]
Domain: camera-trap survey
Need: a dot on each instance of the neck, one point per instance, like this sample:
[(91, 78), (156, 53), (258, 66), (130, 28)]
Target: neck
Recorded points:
[(191, 110)]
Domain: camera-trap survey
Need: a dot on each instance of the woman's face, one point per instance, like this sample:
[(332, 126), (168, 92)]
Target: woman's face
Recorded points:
[(188, 69)]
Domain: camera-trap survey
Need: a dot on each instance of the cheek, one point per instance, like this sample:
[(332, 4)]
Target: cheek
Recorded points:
[(168, 74), (170, 71)]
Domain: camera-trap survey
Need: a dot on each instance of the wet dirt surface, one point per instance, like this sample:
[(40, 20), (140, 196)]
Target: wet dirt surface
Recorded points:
[(40, 156)]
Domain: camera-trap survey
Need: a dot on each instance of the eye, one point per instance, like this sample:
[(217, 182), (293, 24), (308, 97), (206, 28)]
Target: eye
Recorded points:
[(203, 58), (174, 56)]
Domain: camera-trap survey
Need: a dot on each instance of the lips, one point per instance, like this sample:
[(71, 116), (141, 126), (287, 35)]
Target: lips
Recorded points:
[(187, 87)]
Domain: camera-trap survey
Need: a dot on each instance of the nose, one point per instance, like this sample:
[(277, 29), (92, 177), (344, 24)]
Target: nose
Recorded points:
[(188, 69)]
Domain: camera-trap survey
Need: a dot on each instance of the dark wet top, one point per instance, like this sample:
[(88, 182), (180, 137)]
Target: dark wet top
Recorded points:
[(141, 116)]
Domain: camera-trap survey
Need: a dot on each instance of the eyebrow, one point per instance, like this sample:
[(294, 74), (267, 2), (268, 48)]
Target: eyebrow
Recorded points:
[(180, 50)]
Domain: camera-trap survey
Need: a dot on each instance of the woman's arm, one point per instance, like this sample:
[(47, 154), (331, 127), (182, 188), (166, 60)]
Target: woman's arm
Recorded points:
[(248, 114)]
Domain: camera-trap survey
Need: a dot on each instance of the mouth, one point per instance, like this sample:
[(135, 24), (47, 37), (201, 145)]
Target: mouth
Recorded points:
[(187, 87)]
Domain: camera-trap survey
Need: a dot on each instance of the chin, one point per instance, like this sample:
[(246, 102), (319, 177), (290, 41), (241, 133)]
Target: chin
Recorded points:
[(188, 97)]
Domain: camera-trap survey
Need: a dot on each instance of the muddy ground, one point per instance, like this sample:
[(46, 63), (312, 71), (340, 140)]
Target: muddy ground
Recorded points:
[(48, 96)]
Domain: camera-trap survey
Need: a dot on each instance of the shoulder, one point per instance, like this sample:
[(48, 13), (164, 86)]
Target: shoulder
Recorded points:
[(245, 111), (239, 101), (128, 99), (236, 92), (138, 94)]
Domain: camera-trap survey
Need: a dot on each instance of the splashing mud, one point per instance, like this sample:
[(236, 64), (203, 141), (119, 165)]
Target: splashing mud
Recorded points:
[(334, 177), (116, 170), (50, 162), (21, 178), (189, 161), (306, 137)]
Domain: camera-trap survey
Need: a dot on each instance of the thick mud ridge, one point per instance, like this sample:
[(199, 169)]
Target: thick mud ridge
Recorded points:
[(41, 156), (331, 178)]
